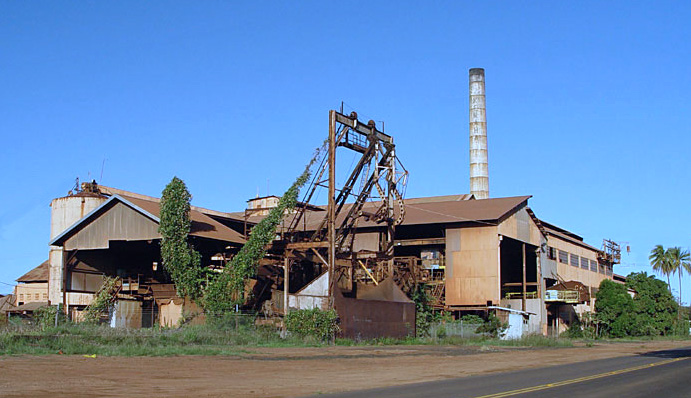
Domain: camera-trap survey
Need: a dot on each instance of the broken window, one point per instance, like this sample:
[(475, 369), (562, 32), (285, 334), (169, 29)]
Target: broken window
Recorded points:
[(551, 253)]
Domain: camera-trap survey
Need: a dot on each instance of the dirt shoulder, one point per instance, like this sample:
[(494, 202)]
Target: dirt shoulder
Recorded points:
[(274, 372)]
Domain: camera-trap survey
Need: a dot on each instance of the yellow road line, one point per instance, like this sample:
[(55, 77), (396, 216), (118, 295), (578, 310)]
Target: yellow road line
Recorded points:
[(578, 380)]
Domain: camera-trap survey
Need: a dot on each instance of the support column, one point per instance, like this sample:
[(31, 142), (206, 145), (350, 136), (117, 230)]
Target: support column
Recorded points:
[(332, 206), (523, 282), (286, 283)]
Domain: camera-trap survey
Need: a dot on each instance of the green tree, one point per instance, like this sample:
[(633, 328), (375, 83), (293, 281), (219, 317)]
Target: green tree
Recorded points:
[(651, 312), (180, 260), (614, 307), (655, 310), (679, 261), (659, 260)]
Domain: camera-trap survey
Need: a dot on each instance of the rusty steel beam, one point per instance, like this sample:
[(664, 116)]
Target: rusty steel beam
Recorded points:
[(332, 205), (420, 242)]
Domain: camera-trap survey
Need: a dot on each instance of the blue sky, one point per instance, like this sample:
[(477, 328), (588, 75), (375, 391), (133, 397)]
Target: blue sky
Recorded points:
[(587, 104)]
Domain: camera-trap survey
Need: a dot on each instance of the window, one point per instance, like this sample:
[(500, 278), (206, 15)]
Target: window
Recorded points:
[(593, 265), (36, 296), (574, 260), (551, 253), (609, 270), (602, 268), (45, 296), (21, 297), (563, 257), (584, 263)]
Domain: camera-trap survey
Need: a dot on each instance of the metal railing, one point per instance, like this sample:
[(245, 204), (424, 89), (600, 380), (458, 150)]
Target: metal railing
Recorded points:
[(566, 296)]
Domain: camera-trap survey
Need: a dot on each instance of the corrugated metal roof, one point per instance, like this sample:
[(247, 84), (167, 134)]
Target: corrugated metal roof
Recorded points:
[(448, 209), (202, 225), (6, 303), (29, 307), (565, 235), (440, 211), (38, 274)]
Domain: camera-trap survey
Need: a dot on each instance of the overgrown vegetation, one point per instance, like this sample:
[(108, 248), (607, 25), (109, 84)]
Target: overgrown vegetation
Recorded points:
[(425, 315), (180, 260), (228, 289), (49, 315), (102, 303), (492, 326), (229, 335), (315, 323), (651, 312)]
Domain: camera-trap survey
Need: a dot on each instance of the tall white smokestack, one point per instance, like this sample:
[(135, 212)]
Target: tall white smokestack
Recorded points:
[(479, 173)]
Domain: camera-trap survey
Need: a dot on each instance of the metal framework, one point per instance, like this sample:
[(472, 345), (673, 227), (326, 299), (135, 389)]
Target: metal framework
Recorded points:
[(377, 180)]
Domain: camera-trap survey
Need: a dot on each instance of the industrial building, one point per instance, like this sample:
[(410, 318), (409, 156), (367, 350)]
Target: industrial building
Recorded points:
[(364, 252)]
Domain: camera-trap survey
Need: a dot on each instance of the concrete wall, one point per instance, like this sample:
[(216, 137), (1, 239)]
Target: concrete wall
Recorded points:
[(569, 272), (31, 292), (537, 324), (64, 213), (68, 210)]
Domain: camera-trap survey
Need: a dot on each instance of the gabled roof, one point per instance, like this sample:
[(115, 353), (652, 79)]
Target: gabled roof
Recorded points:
[(448, 209), (38, 274), (6, 303), (202, 225)]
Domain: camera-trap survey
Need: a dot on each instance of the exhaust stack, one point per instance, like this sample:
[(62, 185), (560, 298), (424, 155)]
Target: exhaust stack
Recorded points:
[(479, 172)]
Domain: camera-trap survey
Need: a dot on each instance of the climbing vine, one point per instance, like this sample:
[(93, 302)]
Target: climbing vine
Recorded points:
[(103, 300), (180, 259), (228, 289)]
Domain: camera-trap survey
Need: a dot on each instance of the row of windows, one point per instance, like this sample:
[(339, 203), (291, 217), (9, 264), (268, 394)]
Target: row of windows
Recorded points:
[(37, 296), (576, 261)]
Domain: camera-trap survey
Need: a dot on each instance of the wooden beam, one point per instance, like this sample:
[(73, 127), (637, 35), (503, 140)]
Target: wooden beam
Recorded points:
[(306, 245), (523, 302)]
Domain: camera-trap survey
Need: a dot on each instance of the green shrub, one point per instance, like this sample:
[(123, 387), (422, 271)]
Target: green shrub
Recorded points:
[(492, 327), (321, 325), (472, 319), (652, 312), (45, 316)]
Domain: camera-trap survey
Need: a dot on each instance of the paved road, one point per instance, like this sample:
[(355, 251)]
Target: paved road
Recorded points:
[(661, 374)]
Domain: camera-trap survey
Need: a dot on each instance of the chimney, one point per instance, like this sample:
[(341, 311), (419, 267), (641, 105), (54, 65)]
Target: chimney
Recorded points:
[(479, 173)]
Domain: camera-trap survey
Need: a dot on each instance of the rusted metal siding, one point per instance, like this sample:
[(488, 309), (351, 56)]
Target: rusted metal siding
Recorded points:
[(366, 241), (473, 271), (119, 223), (366, 319)]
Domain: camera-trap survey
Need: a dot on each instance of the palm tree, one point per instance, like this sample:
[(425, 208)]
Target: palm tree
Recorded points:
[(659, 259), (679, 261)]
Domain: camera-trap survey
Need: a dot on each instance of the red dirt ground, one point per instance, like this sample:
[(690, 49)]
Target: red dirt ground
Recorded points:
[(275, 372)]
